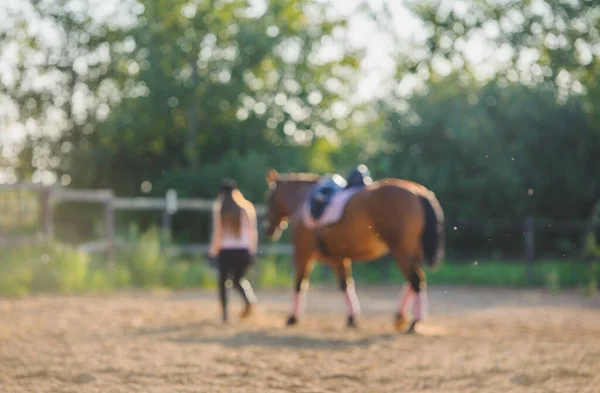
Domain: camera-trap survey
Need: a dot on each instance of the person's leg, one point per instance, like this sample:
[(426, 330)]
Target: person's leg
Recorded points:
[(223, 275), (242, 284)]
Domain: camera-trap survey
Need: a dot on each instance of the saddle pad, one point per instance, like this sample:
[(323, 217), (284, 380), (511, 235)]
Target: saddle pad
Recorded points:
[(333, 211)]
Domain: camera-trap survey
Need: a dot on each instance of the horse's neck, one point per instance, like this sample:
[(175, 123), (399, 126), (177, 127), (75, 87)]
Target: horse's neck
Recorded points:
[(297, 195)]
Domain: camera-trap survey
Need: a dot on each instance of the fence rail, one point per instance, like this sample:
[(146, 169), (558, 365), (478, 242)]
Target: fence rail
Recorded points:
[(51, 195), (170, 204), (86, 196), (142, 203), (25, 186), (12, 241)]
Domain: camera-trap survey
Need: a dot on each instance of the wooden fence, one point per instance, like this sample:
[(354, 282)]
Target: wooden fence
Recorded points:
[(170, 204)]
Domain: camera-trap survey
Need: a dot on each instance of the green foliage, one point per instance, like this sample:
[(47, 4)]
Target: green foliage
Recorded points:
[(145, 260), (121, 277), (100, 280), (182, 94), (552, 33), (15, 272), (273, 272), (379, 271), (590, 288), (56, 268), (199, 275), (175, 275), (43, 268), (591, 247), (488, 137), (551, 274), (553, 280), (20, 211), (490, 153), (491, 273), (60, 269), (201, 90)]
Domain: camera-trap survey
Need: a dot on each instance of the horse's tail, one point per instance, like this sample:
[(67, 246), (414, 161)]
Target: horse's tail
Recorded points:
[(433, 239)]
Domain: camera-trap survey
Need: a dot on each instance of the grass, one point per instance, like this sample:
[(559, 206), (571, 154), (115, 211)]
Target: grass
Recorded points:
[(554, 275), (551, 274), (57, 268)]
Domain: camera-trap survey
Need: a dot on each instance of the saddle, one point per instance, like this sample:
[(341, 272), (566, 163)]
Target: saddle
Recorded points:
[(331, 185)]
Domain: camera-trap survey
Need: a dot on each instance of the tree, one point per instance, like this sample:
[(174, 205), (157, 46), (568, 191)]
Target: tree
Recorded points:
[(495, 154), (193, 92)]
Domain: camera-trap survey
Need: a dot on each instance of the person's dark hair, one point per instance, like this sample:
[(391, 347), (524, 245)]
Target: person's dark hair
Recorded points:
[(231, 210), (228, 185)]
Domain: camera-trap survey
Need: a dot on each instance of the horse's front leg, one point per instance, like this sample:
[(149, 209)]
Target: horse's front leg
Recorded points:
[(343, 270), (303, 266)]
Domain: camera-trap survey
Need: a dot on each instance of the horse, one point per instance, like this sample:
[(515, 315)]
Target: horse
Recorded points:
[(388, 216)]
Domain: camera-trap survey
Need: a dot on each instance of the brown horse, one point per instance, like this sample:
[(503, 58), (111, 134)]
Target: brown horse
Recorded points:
[(392, 216)]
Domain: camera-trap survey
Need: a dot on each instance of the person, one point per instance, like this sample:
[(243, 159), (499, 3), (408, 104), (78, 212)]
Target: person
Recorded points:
[(359, 177), (234, 243)]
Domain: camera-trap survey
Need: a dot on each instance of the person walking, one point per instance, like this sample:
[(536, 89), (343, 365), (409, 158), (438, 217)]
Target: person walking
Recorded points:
[(234, 243)]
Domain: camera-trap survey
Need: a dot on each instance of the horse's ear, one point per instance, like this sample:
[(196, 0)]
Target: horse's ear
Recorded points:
[(271, 175)]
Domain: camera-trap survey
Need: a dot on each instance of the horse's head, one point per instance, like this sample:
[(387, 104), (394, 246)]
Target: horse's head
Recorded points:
[(284, 195), (277, 209)]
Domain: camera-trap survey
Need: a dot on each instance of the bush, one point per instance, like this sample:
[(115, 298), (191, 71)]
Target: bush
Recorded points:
[(591, 287), (145, 261), (121, 277), (273, 273), (99, 280), (175, 275), (15, 273), (51, 267), (60, 268)]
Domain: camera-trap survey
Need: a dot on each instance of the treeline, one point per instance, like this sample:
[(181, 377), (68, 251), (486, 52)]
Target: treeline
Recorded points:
[(179, 95)]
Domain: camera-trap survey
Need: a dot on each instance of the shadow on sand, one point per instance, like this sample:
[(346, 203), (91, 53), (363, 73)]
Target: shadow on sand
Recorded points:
[(267, 339)]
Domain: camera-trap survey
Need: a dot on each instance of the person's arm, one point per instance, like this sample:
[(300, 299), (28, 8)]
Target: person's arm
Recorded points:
[(215, 245), (252, 228)]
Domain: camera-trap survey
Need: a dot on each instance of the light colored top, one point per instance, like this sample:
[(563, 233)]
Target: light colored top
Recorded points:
[(247, 238)]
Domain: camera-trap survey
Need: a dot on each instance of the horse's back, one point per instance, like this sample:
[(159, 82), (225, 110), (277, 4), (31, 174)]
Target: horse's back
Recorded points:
[(408, 185)]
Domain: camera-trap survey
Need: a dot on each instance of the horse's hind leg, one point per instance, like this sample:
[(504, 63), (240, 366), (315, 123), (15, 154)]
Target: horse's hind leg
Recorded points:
[(419, 288), (343, 269), (407, 296), (414, 291)]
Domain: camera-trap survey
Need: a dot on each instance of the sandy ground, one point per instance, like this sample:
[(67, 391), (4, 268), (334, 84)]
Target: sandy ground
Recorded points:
[(475, 340)]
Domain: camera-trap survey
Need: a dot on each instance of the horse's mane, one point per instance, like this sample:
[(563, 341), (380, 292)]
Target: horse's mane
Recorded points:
[(299, 177)]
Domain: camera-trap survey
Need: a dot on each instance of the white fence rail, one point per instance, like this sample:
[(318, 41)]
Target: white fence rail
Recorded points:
[(170, 204)]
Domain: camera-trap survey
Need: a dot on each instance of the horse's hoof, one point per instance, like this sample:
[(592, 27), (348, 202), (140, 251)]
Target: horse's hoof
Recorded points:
[(411, 329), (400, 322), (292, 320), (351, 322), (248, 311)]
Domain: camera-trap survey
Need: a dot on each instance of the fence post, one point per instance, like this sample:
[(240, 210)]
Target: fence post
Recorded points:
[(170, 209), (46, 202), (109, 230), (166, 225), (529, 247)]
